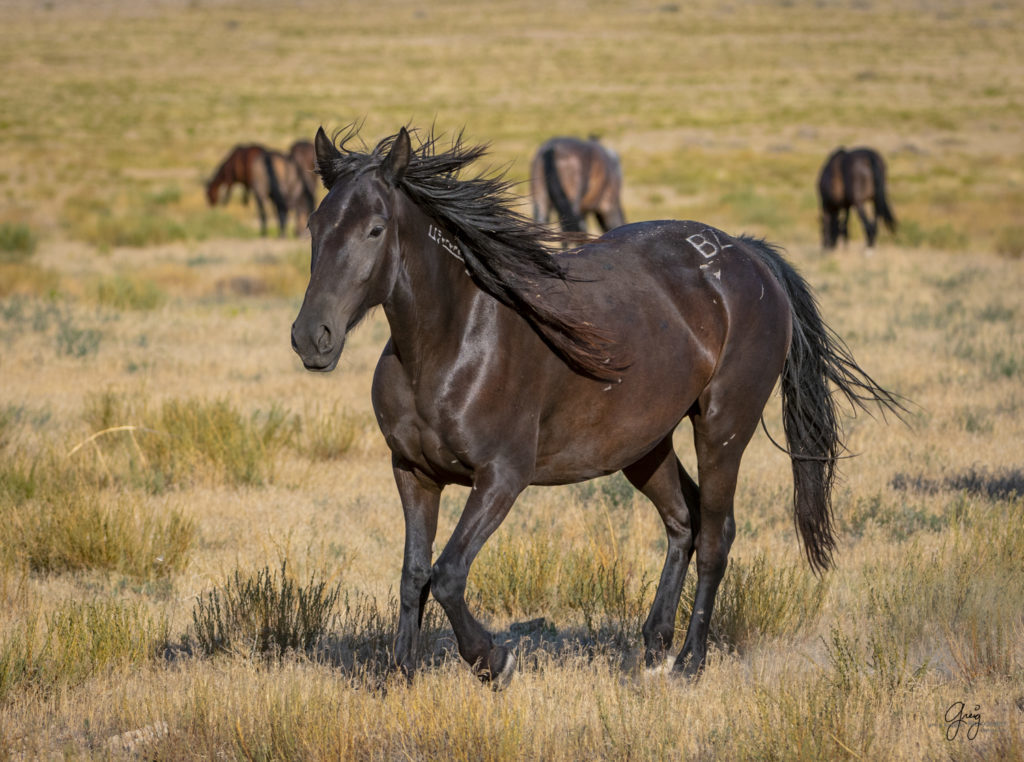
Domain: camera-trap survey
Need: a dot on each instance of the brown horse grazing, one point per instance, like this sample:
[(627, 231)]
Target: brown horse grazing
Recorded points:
[(574, 178), (234, 169), (273, 179), (852, 178), (509, 365)]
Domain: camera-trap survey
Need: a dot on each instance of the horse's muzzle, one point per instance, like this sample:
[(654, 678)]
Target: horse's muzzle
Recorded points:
[(319, 349)]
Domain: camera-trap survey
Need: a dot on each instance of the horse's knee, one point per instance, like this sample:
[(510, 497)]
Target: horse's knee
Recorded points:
[(414, 578), (448, 583)]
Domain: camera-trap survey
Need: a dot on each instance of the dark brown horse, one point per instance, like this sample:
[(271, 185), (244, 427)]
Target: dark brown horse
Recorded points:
[(853, 178), (273, 179), (574, 178), (509, 365), (234, 169)]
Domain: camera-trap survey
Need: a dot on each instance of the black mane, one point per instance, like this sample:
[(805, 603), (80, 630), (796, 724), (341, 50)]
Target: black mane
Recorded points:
[(507, 254)]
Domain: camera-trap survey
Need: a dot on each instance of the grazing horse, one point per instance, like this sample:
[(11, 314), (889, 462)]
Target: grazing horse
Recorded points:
[(235, 168), (852, 178), (574, 178), (273, 179), (510, 365)]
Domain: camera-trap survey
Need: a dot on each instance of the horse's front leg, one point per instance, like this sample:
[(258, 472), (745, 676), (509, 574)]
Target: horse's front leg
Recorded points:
[(495, 489), (420, 501)]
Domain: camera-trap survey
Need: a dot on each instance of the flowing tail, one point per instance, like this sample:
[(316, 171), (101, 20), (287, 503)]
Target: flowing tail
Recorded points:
[(568, 220), (881, 204), (818, 360)]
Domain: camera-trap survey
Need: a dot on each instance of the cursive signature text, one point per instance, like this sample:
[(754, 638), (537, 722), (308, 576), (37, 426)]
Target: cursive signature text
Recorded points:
[(957, 717)]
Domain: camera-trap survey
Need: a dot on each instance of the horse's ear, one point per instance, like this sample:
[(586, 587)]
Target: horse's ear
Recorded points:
[(397, 160), (326, 153)]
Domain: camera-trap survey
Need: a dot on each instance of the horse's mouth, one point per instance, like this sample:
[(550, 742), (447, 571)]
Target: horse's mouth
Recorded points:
[(316, 367)]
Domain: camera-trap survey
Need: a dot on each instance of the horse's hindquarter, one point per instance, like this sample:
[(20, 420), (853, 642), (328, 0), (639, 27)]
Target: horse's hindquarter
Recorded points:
[(676, 297)]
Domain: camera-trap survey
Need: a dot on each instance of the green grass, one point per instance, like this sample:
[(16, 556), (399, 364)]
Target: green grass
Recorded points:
[(17, 242), (76, 642)]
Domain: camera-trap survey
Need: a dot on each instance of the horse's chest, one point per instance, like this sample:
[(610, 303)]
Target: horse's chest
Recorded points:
[(411, 435)]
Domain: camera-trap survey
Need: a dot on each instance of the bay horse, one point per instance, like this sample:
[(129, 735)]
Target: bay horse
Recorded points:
[(510, 364), (853, 178), (233, 169), (574, 178), (274, 180)]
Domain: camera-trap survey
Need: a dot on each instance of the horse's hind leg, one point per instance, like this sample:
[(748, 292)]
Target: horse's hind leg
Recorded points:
[(661, 478), (730, 408), (870, 225), (842, 221)]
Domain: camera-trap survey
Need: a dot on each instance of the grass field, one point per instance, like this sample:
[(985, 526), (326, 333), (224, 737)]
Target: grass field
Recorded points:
[(202, 542)]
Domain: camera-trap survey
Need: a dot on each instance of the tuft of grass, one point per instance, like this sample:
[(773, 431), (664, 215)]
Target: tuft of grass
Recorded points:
[(517, 577), (944, 237), (532, 576), (217, 436), (182, 441), (1010, 242), (264, 614), (57, 522), (758, 600), (126, 292), (77, 641), (17, 242), (330, 435)]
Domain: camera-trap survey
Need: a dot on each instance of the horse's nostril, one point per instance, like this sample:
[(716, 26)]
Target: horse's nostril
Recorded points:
[(323, 340)]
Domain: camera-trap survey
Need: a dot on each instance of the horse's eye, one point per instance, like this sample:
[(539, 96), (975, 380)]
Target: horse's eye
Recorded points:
[(376, 232)]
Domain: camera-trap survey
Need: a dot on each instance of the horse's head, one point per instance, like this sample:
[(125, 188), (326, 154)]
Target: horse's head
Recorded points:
[(212, 189), (354, 247)]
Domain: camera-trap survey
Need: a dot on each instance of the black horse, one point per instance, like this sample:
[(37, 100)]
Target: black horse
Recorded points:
[(852, 178), (509, 365)]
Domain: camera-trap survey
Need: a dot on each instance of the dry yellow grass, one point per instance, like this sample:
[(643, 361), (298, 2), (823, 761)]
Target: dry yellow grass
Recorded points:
[(113, 114)]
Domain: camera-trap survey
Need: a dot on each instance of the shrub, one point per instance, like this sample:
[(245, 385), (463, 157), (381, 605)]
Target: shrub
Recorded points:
[(264, 614)]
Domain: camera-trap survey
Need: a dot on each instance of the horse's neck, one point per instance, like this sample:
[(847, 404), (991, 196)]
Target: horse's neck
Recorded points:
[(433, 296)]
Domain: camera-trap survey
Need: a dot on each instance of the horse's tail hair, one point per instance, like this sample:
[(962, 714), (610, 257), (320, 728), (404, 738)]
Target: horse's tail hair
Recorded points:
[(276, 195), (818, 359), (881, 203), (568, 220)]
